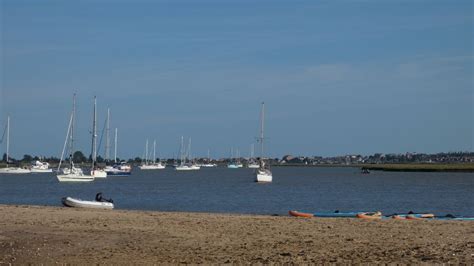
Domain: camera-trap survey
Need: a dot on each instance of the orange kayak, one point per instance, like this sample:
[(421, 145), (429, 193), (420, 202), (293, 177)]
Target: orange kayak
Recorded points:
[(301, 214)]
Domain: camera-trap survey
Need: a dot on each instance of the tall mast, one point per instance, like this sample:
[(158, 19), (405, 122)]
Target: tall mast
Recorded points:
[(189, 150), (154, 151), (71, 140), (115, 147), (181, 150), (94, 135), (262, 119), (146, 152), (8, 137), (107, 137)]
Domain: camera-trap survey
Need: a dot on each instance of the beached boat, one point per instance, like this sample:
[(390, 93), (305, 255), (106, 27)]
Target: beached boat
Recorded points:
[(324, 214), (370, 215), (412, 216), (263, 173), (71, 174), (79, 203), (11, 170)]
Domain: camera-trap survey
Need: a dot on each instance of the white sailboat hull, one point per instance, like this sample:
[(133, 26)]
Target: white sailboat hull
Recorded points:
[(187, 168), (99, 173), (14, 170), (263, 176), (74, 178), (152, 167), (253, 166), (209, 165), (78, 203), (33, 170)]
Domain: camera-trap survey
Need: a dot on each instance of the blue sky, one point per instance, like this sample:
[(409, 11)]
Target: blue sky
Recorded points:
[(338, 77)]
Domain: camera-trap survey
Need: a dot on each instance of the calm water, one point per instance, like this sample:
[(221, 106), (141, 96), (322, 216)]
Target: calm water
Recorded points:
[(233, 190)]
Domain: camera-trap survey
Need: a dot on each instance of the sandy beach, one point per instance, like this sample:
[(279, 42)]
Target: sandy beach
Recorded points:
[(38, 234)]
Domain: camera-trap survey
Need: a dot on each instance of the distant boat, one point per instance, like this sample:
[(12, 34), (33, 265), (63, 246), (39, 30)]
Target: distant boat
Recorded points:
[(234, 162), (151, 165), (95, 171), (185, 163), (118, 168), (40, 167), (252, 163), (71, 174), (263, 173), (209, 163), (11, 170)]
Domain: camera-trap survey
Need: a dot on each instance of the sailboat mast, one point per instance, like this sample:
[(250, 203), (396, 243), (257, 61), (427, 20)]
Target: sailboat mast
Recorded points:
[(107, 137), (146, 152), (189, 150), (115, 146), (154, 151), (94, 134), (8, 137), (181, 150), (262, 119), (71, 140)]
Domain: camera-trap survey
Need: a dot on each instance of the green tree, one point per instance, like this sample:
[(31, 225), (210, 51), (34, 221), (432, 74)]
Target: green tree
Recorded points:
[(79, 157), (27, 158)]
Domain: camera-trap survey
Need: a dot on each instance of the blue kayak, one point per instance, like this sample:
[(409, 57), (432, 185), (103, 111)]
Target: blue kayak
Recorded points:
[(336, 214), (455, 218)]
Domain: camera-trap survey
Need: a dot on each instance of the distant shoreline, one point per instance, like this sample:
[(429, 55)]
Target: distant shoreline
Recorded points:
[(405, 167), (402, 167)]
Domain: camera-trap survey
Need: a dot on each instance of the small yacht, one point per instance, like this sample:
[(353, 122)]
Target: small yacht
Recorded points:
[(151, 165), (185, 163), (263, 173), (71, 174), (119, 169), (40, 167), (11, 170)]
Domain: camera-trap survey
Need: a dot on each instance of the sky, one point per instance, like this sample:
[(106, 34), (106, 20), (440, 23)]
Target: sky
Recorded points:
[(337, 77)]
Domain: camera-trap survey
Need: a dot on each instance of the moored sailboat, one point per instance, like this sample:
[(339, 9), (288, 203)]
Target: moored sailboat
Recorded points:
[(71, 174), (263, 173), (95, 171), (151, 165), (11, 170)]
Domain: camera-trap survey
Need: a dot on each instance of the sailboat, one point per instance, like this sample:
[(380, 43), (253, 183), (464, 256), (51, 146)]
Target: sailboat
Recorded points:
[(118, 168), (208, 163), (40, 167), (71, 174), (233, 164), (185, 163), (11, 170), (95, 171), (153, 165), (263, 173), (252, 163)]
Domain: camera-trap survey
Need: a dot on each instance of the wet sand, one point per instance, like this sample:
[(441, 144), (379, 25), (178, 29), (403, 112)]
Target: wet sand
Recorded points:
[(37, 234)]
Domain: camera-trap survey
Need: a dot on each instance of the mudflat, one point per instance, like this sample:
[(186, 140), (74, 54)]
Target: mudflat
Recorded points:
[(38, 234)]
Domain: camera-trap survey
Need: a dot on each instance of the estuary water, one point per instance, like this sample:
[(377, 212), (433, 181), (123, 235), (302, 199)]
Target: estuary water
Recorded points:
[(225, 190)]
